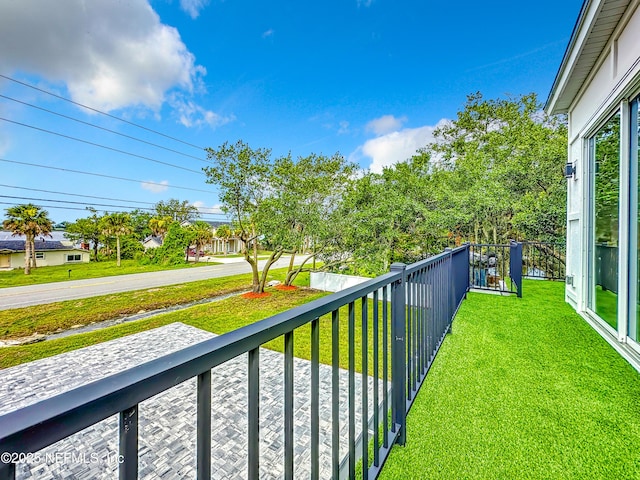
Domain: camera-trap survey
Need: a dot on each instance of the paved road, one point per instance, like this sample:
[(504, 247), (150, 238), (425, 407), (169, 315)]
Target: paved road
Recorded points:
[(16, 297)]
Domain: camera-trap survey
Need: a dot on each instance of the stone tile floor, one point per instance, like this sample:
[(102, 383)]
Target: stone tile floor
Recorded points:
[(167, 422)]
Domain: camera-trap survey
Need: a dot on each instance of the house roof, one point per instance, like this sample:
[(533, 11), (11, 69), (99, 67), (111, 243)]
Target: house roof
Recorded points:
[(591, 34), (13, 246)]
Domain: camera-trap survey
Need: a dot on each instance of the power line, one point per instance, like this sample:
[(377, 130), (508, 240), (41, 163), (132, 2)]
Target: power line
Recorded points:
[(102, 146), (86, 204), (75, 194), (103, 175), (99, 111), (103, 128), (58, 207)]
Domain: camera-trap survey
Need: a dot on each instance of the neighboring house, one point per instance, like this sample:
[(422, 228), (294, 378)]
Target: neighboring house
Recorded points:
[(152, 241), (48, 253), (226, 245), (598, 86)]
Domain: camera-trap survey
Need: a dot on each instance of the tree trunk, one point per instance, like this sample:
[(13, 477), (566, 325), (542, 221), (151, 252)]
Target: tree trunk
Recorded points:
[(290, 269), (33, 254), (118, 250), (27, 256), (292, 274), (275, 256)]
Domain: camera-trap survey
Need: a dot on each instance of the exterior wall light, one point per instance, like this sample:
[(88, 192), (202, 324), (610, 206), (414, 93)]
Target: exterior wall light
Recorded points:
[(570, 170)]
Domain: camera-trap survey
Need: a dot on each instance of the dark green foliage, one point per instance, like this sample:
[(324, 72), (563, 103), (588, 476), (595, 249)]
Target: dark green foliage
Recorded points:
[(174, 248)]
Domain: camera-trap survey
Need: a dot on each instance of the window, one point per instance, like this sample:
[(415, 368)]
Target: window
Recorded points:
[(604, 153), (76, 257), (39, 255), (634, 230)]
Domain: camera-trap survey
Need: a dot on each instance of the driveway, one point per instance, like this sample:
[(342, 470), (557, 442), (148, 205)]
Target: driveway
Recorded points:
[(17, 297)]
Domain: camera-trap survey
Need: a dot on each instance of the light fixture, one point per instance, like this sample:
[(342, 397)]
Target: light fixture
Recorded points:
[(570, 170)]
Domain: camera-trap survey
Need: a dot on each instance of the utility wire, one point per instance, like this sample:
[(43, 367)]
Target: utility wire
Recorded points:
[(75, 194), (103, 175), (102, 146), (84, 210), (99, 111), (87, 204), (103, 128)]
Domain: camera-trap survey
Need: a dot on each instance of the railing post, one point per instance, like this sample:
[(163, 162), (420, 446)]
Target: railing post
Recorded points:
[(515, 265), (451, 285), (399, 352)]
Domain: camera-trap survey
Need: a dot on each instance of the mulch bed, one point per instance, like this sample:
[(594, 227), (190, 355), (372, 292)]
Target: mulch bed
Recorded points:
[(285, 287), (255, 295)]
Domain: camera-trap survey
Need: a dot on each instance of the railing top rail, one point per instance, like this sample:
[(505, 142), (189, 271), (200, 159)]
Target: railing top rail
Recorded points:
[(431, 260), (58, 417)]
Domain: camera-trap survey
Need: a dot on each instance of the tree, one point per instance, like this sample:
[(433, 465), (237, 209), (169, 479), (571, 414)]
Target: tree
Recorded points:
[(202, 234), (28, 220), (178, 211), (160, 225), (88, 230), (224, 233), (499, 169), (116, 225), (242, 176), (299, 216), (173, 248)]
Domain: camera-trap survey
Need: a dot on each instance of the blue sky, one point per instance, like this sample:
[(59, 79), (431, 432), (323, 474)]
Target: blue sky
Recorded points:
[(367, 78)]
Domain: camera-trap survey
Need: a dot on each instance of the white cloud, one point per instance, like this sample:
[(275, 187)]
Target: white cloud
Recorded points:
[(193, 7), (364, 3), (204, 209), (193, 115), (385, 124), (110, 55), (155, 187), (343, 127), (394, 147), (268, 33)]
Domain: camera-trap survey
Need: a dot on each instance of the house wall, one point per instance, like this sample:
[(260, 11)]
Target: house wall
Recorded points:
[(611, 85), (51, 258)]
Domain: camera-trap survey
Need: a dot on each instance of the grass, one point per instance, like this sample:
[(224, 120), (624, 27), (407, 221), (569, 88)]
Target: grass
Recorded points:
[(218, 317), (58, 316), (523, 388), (81, 271)]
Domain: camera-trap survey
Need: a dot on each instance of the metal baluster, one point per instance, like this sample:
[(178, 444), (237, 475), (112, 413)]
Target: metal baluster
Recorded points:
[(365, 387), (288, 405), (315, 400), (254, 414), (335, 394), (352, 393), (376, 420), (385, 364), (128, 467), (203, 446)]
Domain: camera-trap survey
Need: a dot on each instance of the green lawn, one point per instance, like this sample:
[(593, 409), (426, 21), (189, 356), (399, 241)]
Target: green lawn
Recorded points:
[(80, 271), (523, 388), (218, 317)]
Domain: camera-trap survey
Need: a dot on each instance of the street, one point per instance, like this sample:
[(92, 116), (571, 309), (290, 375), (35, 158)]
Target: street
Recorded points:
[(26, 296)]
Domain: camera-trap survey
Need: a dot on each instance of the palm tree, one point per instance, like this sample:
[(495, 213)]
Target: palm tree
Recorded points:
[(116, 225), (160, 225), (202, 235), (223, 232), (28, 220)]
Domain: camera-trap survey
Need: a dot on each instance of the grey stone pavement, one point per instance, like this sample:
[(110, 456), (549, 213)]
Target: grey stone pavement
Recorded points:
[(167, 422)]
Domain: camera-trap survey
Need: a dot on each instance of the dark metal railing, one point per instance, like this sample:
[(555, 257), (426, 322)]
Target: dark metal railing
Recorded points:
[(410, 311), (543, 260), (496, 267)]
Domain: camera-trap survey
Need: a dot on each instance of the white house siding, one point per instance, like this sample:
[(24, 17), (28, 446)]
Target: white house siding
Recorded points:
[(51, 258), (611, 84)]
